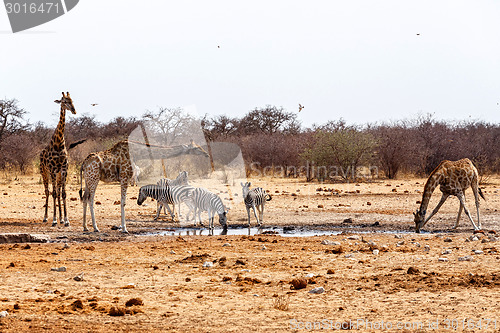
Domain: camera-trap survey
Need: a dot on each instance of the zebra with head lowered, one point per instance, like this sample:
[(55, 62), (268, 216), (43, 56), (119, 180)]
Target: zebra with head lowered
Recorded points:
[(164, 195), (203, 200), (255, 198), (181, 179)]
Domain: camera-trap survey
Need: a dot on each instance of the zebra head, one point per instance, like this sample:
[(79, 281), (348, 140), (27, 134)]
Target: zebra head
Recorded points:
[(142, 195), (246, 188), (182, 178), (223, 218)]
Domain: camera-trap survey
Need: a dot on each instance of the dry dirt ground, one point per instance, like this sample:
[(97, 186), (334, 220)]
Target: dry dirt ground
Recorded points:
[(381, 277)]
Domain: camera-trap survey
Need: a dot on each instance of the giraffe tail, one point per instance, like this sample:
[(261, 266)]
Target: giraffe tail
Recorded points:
[(481, 193)]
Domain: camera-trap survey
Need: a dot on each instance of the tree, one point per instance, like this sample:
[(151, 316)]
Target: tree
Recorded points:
[(11, 118), (269, 120)]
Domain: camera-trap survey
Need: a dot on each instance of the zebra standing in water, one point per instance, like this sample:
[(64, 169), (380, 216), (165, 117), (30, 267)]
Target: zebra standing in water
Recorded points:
[(181, 179), (164, 195), (255, 198), (203, 200)]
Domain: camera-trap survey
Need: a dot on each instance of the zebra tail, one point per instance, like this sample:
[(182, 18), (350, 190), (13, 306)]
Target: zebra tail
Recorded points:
[(481, 193), (268, 195)]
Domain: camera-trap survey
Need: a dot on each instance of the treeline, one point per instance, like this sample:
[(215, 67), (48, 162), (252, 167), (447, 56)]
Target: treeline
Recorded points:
[(273, 141)]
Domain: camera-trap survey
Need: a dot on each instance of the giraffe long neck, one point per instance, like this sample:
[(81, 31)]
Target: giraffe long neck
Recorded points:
[(429, 188), (58, 142)]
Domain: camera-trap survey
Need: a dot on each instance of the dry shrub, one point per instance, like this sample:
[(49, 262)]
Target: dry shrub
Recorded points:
[(282, 303)]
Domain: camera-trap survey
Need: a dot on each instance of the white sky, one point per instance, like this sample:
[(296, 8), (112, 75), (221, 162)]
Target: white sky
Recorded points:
[(357, 59)]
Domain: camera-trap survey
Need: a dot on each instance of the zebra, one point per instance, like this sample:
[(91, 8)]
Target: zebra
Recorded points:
[(164, 195), (203, 200), (255, 198), (181, 179)]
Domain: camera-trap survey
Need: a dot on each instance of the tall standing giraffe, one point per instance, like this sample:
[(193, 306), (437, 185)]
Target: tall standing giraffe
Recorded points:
[(115, 164), (454, 177), (54, 163)]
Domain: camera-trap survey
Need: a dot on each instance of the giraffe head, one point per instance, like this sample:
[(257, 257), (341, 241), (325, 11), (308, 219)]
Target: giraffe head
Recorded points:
[(194, 149), (419, 219), (66, 103)]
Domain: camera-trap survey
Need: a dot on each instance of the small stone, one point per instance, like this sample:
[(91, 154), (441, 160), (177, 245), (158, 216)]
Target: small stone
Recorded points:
[(348, 220), (318, 290), (330, 271), (376, 252), (354, 237), (466, 258), (59, 269), (398, 236), (66, 246), (263, 248), (474, 238), (256, 295), (298, 283), (400, 243), (448, 251), (310, 275), (172, 252), (349, 255), (447, 240), (116, 311), (208, 264), (427, 248), (413, 270), (443, 259), (79, 277), (477, 251), (226, 244), (4, 314)]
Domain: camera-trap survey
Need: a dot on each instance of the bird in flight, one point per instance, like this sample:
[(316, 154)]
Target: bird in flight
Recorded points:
[(94, 104), (300, 107)]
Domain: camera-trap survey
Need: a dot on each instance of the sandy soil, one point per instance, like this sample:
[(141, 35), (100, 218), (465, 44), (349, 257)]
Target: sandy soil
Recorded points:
[(406, 282)]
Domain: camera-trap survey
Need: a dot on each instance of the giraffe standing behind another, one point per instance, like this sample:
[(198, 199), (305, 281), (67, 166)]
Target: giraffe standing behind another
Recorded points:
[(54, 163), (115, 164), (454, 177)]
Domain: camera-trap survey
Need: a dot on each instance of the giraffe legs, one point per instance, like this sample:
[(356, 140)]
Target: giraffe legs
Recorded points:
[(462, 202), (475, 190), (45, 179), (54, 196), (88, 198), (441, 202), (459, 214), (124, 185), (64, 174)]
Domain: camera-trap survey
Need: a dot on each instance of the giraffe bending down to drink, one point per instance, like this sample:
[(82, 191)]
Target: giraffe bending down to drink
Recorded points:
[(54, 163), (454, 177), (115, 165)]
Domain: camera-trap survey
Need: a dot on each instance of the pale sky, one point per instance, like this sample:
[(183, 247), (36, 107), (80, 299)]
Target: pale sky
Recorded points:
[(362, 60)]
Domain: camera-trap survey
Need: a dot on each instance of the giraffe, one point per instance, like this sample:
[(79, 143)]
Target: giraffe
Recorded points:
[(54, 163), (454, 177), (115, 164)]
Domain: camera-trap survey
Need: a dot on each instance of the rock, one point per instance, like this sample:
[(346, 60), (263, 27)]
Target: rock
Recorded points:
[(354, 237), (474, 238), (172, 252), (58, 269), (376, 224), (478, 232), (263, 248), (443, 259), (298, 283), (427, 248), (348, 220), (4, 314), (79, 277), (66, 246), (256, 295), (134, 301), (240, 262), (318, 290), (208, 264), (477, 251), (398, 236), (330, 271), (376, 252), (447, 240), (226, 244), (310, 275), (349, 255), (466, 258), (116, 311), (78, 304), (400, 243), (188, 279), (413, 270), (448, 251)]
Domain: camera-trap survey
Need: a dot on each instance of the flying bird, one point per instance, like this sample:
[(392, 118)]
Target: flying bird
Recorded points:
[(300, 107), (94, 104)]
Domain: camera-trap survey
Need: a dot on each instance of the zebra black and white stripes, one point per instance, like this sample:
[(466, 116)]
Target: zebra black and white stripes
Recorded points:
[(255, 198), (164, 195), (181, 179), (202, 200)]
